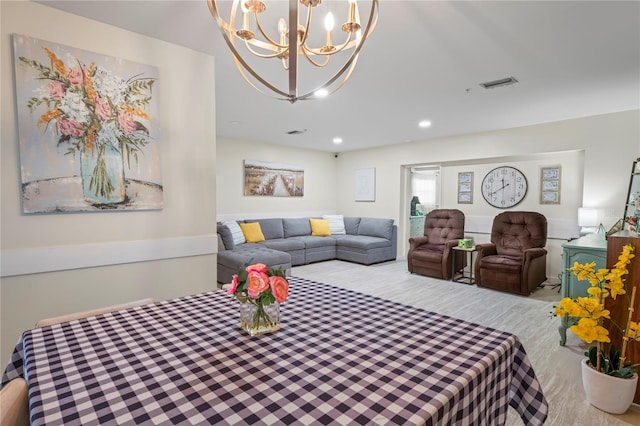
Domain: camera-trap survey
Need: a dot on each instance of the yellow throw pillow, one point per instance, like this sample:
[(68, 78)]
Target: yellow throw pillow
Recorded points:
[(320, 227), (252, 232)]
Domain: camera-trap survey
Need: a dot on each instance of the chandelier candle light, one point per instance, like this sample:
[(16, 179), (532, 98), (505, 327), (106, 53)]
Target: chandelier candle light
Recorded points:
[(286, 42)]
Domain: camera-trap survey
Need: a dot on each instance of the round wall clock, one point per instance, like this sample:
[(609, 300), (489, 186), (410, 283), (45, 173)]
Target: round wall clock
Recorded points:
[(504, 187)]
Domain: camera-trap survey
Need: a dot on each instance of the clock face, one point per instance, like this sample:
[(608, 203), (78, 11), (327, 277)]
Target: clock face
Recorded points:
[(504, 187)]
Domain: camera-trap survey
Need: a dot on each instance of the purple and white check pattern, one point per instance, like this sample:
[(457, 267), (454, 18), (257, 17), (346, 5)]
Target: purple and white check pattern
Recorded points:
[(340, 357)]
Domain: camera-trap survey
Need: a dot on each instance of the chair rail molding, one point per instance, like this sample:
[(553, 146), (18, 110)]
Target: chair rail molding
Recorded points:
[(60, 258)]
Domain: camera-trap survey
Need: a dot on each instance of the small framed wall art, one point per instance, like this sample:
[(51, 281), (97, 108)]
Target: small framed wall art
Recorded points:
[(365, 185), (550, 185), (465, 188)]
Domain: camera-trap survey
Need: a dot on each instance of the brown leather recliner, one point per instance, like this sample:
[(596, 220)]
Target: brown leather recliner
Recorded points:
[(431, 254), (515, 260)]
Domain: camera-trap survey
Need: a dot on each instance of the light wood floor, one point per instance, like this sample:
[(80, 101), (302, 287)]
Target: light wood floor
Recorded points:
[(557, 367)]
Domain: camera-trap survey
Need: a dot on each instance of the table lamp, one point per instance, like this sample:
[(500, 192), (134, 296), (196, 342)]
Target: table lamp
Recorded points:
[(587, 220)]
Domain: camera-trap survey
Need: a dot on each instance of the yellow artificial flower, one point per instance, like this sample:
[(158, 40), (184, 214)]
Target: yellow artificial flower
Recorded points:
[(634, 330), (582, 272), (569, 307), (616, 286), (593, 307), (588, 330)]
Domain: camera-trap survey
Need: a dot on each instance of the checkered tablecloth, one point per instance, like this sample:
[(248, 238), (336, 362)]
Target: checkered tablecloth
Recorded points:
[(340, 357)]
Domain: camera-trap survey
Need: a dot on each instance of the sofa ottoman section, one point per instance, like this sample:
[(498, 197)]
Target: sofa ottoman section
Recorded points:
[(231, 261)]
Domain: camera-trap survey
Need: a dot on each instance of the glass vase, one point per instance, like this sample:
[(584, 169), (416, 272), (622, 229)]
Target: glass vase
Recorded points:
[(102, 171), (256, 318)]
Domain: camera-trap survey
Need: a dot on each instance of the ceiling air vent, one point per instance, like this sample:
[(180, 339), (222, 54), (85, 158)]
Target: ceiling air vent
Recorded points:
[(499, 83), (296, 132)]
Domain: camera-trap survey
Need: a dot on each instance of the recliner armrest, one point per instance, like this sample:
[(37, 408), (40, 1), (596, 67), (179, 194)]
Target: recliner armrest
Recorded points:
[(415, 242), (533, 253), (487, 249)]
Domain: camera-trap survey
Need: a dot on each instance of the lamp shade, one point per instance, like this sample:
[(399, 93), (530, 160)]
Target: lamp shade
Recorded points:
[(587, 218)]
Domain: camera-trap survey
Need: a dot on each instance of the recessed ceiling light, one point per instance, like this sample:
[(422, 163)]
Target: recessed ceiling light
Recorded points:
[(337, 140), (424, 124), (234, 122)]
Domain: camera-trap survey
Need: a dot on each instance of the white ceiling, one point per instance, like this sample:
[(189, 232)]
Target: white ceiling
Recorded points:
[(425, 60)]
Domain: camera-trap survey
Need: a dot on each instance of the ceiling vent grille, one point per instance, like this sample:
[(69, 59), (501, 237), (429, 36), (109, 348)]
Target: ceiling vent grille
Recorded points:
[(499, 83), (296, 132)]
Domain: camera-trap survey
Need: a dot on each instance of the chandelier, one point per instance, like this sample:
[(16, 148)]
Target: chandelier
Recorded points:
[(292, 41)]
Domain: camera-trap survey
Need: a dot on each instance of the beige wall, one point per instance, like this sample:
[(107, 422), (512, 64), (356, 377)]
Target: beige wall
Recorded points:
[(166, 239), (320, 184)]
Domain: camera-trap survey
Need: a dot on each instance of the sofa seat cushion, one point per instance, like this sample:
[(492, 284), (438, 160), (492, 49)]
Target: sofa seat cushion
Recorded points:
[(430, 252), (284, 244), (311, 241), (502, 264), (362, 242)]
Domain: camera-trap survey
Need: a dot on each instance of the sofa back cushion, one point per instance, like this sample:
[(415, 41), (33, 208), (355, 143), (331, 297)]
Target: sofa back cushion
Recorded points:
[(374, 227), (351, 225), (295, 227), (272, 229)]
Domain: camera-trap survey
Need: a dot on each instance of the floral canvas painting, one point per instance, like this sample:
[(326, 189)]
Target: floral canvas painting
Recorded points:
[(88, 130), (265, 178)]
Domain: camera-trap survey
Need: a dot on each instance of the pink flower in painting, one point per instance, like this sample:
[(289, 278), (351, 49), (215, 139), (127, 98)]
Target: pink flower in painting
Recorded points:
[(56, 90), (257, 282), (103, 109), (280, 288), (234, 285), (125, 120), (69, 127), (76, 76)]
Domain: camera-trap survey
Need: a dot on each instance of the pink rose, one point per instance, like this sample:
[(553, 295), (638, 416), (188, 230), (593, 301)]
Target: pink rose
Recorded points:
[(125, 120), (69, 127), (103, 109), (257, 282), (55, 89), (76, 76), (258, 267), (234, 285), (279, 288)]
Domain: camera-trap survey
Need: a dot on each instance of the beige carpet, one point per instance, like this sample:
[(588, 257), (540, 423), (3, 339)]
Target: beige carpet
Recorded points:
[(557, 368)]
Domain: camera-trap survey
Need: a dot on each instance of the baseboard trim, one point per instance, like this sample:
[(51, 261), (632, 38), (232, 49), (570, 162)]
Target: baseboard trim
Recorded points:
[(60, 258)]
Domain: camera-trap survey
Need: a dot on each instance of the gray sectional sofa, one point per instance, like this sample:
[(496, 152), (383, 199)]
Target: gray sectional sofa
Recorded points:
[(289, 242)]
